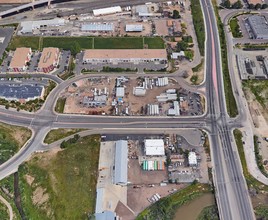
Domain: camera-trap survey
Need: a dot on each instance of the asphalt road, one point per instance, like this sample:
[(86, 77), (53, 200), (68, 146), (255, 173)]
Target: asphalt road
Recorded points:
[(231, 190)]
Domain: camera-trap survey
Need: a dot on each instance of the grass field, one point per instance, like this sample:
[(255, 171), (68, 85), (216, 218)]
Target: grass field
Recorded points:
[(165, 208), (57, 134), (235, 28), (12, 138), (67, 180), (154, 42), (198, 25), (118, 43), (60, 105), (19, 41)]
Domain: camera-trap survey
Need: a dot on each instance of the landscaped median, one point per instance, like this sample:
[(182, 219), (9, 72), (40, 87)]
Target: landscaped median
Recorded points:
[(229, 96), (165, 208)]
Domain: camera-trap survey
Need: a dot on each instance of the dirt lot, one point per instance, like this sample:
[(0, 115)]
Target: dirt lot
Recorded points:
[(161, 27)]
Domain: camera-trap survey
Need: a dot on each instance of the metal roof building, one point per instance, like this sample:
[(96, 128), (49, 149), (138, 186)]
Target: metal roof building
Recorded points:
[(192, 159), (154, 147), (106, 215), (134, 28), (28, 26), (97, 27), (121, 163), (120, 92), (106, 11), (259, 26)]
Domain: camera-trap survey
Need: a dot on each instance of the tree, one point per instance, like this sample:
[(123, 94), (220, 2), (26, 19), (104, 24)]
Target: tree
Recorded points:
[(75, 48), (226, 4), (176, 14), (237, 5), (182, 46), (251, 6), (258, 6), (264, 6)]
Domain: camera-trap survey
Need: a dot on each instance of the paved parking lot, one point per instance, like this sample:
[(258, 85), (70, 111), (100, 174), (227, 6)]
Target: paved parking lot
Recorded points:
[(5, 35), (34, 61), (64, 62)]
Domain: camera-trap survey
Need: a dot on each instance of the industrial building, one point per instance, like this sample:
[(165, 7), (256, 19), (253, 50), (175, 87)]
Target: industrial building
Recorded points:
[(147, 10), (121, 162), (99, 27), (135, 56), (20, 58), (134, 28), (154, 147), (153, 109), (22, 93), (139, 91), (107, 11), (259, 26), (175, 111), (106, 215), (192, 159), (49, 59), (29, 26)]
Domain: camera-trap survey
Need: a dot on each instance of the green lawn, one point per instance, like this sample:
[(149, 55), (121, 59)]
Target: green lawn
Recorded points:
[(60, 105), (198, 25), (235, 28), (154, 42), (57, 134), (68, 178), (118, 43), (75, 44), (12, 138), (19, 41)]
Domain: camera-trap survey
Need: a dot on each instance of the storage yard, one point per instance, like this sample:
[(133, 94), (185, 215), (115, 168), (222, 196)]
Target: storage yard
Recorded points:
[(153, 96), (156, 166)]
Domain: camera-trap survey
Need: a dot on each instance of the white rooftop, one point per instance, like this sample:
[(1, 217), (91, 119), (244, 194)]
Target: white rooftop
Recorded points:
[(105, 11), (154, 147), (192, 158)]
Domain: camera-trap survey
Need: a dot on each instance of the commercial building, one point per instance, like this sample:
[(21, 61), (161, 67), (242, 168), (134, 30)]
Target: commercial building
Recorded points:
[(259, 26), (20, 58), (192, 158), (123, 55), (177, 55), (22, 93), (99, 27), (49, 59), (121, 162), (154, 147), (106, 11), (29, 26), (106, 215), (134, 28)]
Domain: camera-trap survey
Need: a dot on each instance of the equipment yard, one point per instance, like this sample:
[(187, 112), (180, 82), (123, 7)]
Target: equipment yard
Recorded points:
[(131, 96)]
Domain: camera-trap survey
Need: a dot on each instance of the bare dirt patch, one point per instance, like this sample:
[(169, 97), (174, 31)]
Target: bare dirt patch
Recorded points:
[(39, 196)]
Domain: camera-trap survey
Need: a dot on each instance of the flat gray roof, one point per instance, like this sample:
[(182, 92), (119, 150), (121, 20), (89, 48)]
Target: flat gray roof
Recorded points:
[(121, 162), (258, 24)]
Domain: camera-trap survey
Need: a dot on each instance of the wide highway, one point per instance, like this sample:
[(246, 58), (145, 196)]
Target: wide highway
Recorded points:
[(231, 190)]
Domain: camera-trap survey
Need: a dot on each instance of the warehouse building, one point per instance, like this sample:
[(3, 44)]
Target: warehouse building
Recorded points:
[(121, 162), (120, 92), (49, 59), (259, 26), (22, 93), (154, 147), (135, 56), (192, 158), (107, 11), (99, 27), (29, 26), (134, 28), (20, 58)]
